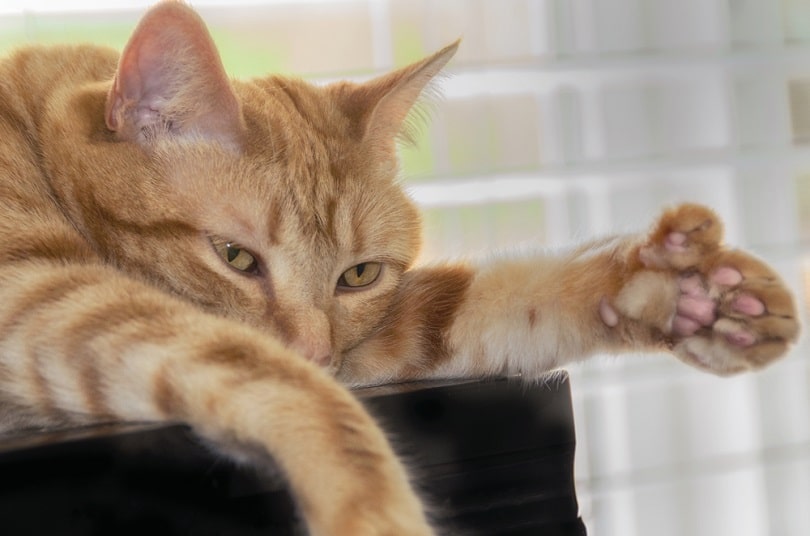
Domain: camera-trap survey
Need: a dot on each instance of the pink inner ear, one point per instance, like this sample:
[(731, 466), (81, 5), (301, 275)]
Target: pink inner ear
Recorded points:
[(170, 74)]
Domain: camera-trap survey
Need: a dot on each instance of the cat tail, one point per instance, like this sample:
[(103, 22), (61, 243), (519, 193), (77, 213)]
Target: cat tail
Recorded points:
[(85, 343)]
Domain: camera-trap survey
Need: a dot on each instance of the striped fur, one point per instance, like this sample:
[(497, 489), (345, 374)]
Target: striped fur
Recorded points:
[(120, 175)]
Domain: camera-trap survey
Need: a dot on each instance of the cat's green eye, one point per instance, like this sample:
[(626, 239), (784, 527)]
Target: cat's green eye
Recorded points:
[(361, 275), (236, 257)]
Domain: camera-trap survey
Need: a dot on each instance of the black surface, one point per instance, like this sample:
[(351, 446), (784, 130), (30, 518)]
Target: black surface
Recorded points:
[(491, 458)]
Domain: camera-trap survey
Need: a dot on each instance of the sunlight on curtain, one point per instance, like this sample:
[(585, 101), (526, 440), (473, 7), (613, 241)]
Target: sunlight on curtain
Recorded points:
[(563, 120)]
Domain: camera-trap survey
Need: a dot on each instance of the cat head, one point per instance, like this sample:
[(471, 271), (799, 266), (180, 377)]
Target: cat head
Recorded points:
[(272, 201)]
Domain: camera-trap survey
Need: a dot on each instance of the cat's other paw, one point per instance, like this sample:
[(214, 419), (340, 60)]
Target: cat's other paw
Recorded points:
[(721, 310)]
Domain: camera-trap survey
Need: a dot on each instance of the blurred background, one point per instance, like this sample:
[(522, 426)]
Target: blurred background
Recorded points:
[(566, 119)]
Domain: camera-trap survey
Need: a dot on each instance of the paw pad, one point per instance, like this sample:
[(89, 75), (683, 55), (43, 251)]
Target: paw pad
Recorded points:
[(728, 310)]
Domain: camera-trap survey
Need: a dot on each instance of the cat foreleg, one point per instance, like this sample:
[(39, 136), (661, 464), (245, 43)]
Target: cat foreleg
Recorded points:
[(84, 340), (676, 289)]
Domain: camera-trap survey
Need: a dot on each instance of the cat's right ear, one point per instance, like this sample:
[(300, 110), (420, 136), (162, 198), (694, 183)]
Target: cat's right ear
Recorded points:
[(170, 81), (380, 107)]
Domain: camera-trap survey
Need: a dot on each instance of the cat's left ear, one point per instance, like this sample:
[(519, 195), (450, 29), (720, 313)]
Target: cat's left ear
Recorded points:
[(170, 81), (381, 106)]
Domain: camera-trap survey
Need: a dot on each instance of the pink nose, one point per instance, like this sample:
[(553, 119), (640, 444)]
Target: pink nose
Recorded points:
[(319, 352)]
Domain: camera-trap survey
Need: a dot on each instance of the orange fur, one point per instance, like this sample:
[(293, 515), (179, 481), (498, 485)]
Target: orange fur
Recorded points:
[(124, 179)]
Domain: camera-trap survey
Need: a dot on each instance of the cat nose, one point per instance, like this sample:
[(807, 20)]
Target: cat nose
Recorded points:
[(317, 351)]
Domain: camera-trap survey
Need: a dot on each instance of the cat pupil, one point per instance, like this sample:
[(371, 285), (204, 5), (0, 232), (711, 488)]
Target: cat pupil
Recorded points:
[(235, 256), (360, 268)]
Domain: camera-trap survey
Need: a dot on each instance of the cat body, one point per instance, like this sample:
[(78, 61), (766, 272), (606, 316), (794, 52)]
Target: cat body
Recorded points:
[(177, 246)]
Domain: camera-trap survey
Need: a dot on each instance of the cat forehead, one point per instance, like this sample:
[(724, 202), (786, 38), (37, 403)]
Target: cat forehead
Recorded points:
[(303, 174), (303, 194), (291, 108), (312, 152), (350, 214)]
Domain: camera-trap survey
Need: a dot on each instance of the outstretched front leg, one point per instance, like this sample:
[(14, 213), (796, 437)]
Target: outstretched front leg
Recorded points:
[(719, 309), (676, 288)]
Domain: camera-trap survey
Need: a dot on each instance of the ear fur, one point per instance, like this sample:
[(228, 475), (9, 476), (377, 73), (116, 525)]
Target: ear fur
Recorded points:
[(380, 107), (170, 79)]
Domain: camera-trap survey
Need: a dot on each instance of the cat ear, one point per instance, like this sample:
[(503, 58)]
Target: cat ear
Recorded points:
[(170, 79), (381, 106)]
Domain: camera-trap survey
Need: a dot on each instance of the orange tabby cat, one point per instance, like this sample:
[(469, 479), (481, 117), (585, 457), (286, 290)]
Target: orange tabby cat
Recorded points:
[(176, 246)]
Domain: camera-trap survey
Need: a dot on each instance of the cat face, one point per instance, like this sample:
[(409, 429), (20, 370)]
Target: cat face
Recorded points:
[(272, 201), (304, 236)]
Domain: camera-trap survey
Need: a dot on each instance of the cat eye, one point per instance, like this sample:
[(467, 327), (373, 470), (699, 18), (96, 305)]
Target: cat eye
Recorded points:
[(236, 257), (361, 275)]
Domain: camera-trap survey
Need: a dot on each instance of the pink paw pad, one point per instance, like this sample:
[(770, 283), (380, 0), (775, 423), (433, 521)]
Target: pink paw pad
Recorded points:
[(735, 333), (684, 327), (675, 242), (748, 305), (727, 277), (608, 314), (741, 338), (695, 308), (692, 286), (699, 309)]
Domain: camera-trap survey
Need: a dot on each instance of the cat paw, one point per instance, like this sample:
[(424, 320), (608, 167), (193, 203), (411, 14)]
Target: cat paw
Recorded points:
[(718, 309)]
